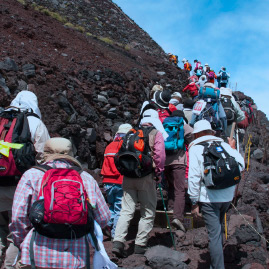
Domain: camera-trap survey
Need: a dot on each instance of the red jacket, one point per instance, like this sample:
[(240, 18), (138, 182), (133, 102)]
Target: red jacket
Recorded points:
[(109, 171)]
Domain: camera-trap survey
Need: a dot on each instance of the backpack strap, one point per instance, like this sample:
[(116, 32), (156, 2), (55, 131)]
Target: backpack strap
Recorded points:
[(43, 167)]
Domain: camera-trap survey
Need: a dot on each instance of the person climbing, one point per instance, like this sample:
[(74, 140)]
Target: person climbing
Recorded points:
[(187, 108), (204, 193), (206, 68), (180, 135), (52, 243), (30, 131), (173, 59), (187, 65), (154, 89), (176, 100), (211, 76), (202, 80), (112, 179), (223, 77), (142, 189), (232, 109), (197, 64)]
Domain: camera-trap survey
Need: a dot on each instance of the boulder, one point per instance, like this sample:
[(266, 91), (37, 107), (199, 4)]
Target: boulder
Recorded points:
[(236, 221), (102, 99), (257, 154), (166, 258), (28, 70), (8, 65)]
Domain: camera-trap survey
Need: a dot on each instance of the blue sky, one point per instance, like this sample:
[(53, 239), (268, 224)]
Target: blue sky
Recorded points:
[(234, 34)]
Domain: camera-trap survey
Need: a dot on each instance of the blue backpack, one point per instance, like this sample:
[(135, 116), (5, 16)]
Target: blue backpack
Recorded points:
[(174, 126)]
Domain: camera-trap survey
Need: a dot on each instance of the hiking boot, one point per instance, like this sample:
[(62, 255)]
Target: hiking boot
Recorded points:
[(178, 224), (140, 249), (107, 231), (118, 249)]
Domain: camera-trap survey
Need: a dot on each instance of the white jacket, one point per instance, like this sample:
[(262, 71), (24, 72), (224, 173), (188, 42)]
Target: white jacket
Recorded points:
[(196, 187)]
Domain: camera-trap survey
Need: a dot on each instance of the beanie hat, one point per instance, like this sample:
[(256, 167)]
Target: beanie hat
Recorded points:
[(124, 128), (162, 98), (188, 103)]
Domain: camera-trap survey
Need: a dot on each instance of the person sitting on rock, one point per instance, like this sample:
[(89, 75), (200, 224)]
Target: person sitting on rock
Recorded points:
[(213, 202), (112, 179), (141, 190)]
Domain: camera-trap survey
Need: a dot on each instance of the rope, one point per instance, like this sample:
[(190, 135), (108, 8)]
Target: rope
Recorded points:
[(250, 224), (226, 232)]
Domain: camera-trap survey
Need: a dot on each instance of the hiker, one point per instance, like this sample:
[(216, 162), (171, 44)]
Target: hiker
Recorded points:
[(187, 65), (142, 189), (173, 59), (176, 100), (223, 77), (187, 108), (112, 179), (197, 64), (46, 245), (31, 131), (206, 68), (213, 202), (211, 76), (180, 135), (231, 108), (202, 80), (154, 89)]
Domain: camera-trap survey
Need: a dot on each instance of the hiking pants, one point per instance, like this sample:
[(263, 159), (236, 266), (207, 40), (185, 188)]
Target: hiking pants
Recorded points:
[(175, 175), (213, 214), (114, 194), (135, 190)]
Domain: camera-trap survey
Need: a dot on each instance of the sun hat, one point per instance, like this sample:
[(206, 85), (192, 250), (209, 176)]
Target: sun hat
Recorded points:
[(176, 94), (162, 98), (59, 148), (225, 91), (124, 128), (206, 64), (202, 125), (184, 60)]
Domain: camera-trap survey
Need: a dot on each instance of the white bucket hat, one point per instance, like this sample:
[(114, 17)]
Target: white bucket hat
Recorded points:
[(176, 94), (202, 125), (124, 128)]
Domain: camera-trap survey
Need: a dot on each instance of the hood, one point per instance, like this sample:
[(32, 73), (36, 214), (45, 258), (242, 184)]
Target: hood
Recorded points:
[(26, 100)]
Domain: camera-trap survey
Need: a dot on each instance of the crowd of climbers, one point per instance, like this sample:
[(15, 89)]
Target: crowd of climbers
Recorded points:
[(52, 210)]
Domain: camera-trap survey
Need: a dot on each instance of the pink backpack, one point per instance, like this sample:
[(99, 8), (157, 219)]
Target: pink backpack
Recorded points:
[(211, 75)]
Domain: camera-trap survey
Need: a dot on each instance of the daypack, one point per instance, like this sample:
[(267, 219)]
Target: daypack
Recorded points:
[(174, 126), (63, 210), (188, 66), (221, 170), (229, 109), (224, 76), (19, 156), (245, 105), (108, 168), (134, 157), (191, 89), (199, 72), (210, 110), (162, 112), (193, 78), (211, 75)]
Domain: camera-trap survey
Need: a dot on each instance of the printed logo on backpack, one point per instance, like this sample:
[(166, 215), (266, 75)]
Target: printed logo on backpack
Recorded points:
[(134, 157), (221, 170), (174, 126)]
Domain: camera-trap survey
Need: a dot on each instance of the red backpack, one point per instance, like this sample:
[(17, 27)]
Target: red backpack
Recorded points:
[(62, 210), (14, 129), (191, 89)]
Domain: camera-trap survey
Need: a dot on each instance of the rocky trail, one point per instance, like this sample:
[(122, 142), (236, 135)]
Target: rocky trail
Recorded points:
[(91, 68)]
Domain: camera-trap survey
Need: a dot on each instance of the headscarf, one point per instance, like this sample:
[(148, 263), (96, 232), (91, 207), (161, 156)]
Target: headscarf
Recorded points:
[(26, 100), (152, 116)]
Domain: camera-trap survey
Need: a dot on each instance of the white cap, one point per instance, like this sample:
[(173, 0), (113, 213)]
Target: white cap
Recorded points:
[(184, 60), (206, 64), (176, 94), (225, 91), (202, 125), (124, 128)]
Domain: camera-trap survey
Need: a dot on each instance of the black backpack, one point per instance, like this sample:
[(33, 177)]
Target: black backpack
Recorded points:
[(14, 128), (229, 109), (221, 170), (134, 157)]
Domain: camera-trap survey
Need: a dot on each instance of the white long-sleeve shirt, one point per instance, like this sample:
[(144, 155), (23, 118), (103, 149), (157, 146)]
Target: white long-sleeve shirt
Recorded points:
[(196, 188)]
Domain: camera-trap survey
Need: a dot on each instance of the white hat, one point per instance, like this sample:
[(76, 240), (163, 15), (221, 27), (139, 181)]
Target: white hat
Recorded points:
[(124, 128), (152, 116), (184, 60), (206, 64), (176, 94), (202, 125)]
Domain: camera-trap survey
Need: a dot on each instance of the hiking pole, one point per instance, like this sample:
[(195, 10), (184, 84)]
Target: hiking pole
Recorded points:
[(164, 207)]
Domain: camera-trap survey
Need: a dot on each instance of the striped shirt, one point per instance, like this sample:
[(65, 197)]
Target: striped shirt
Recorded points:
[(49, 252)]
